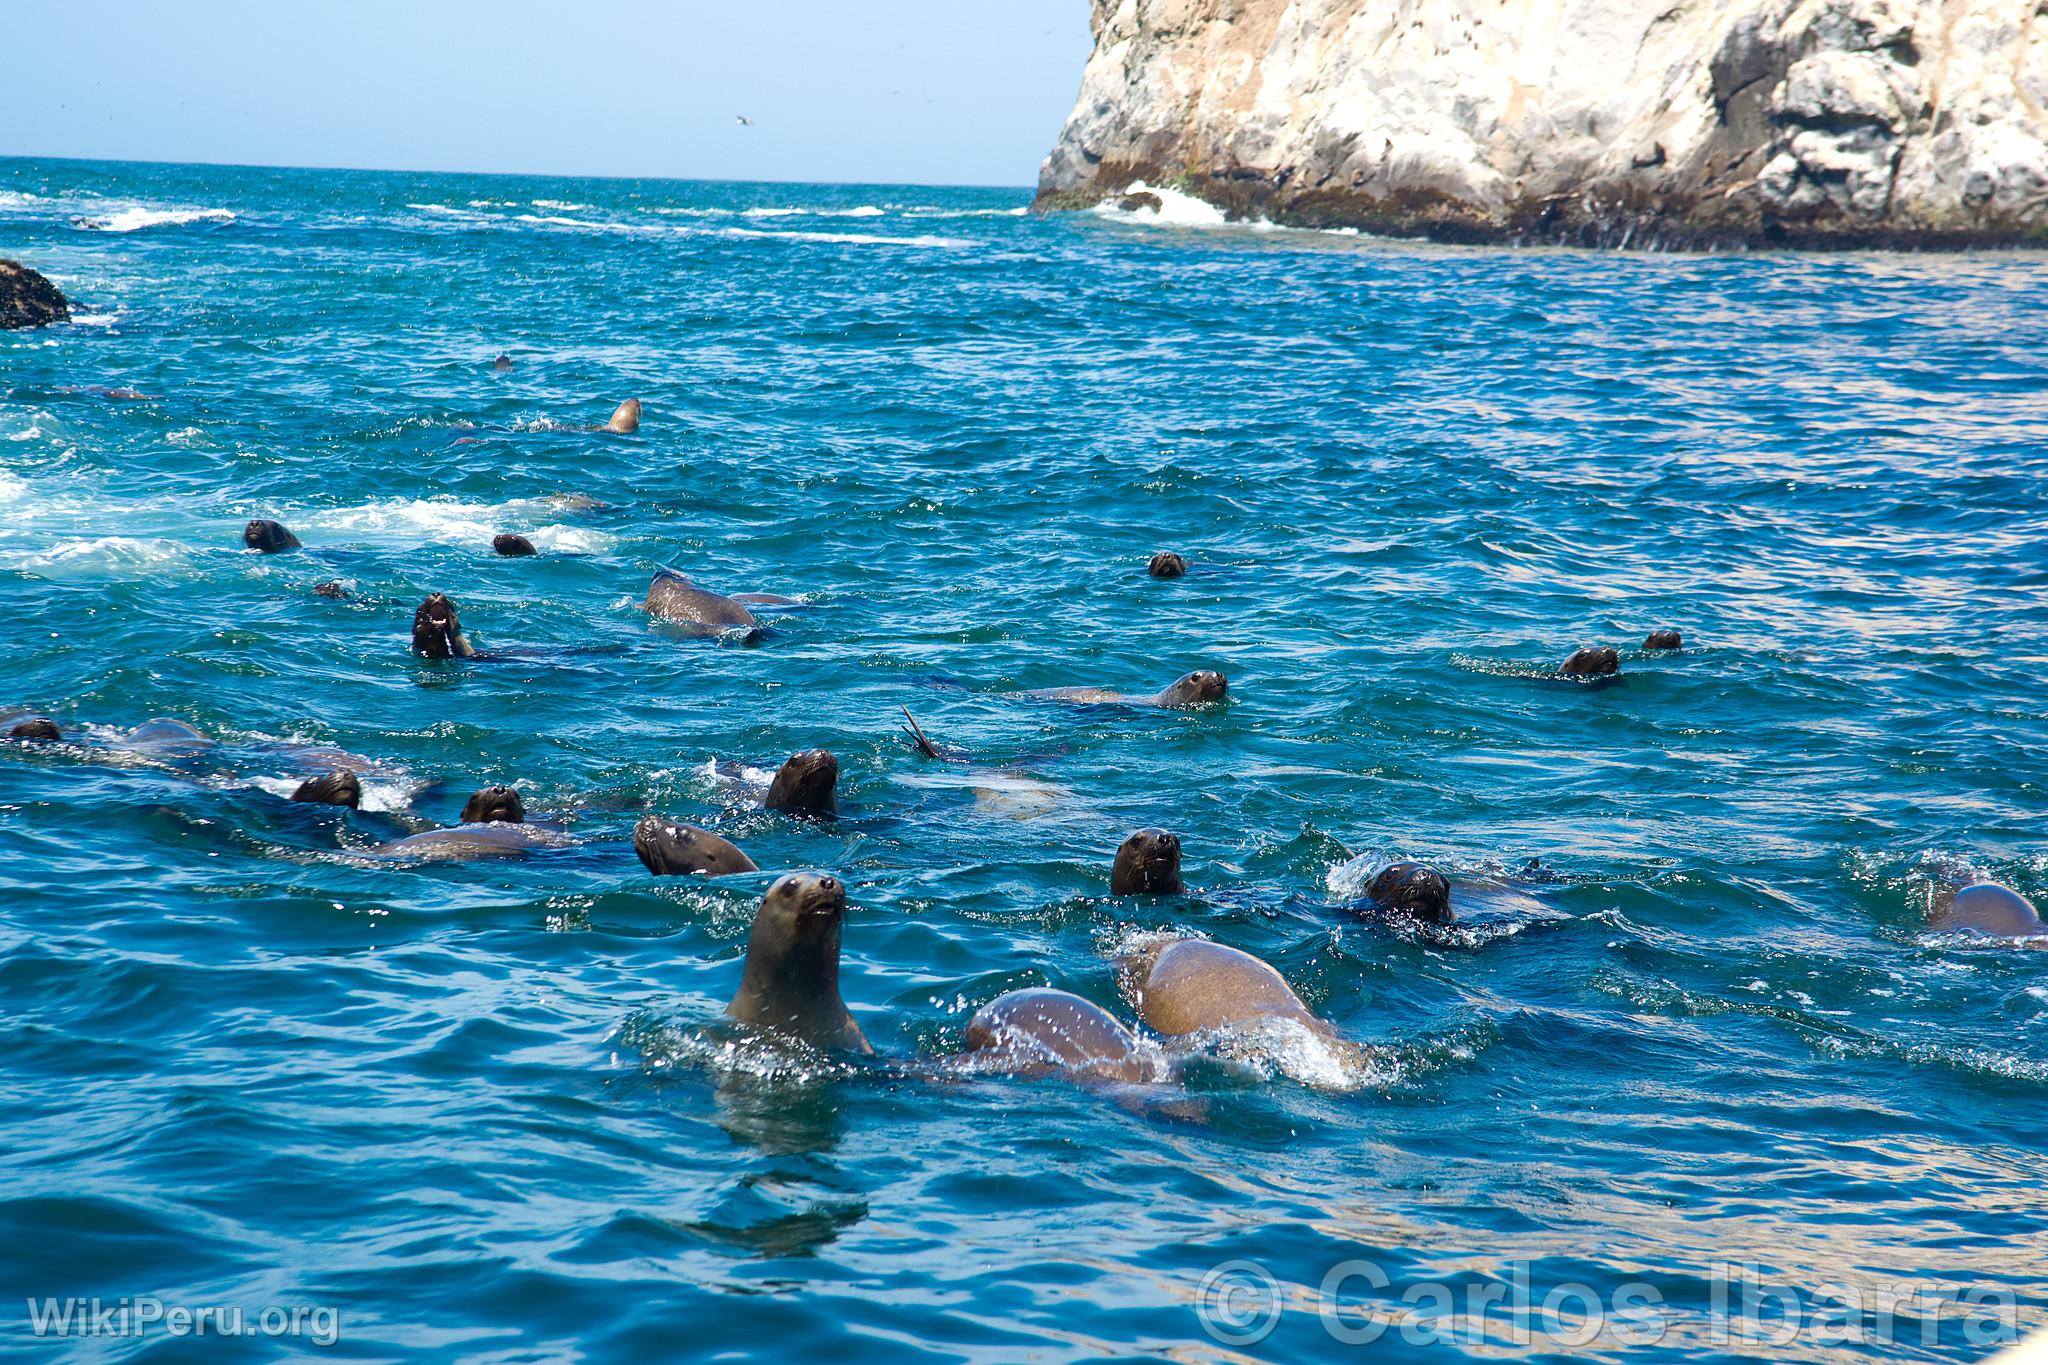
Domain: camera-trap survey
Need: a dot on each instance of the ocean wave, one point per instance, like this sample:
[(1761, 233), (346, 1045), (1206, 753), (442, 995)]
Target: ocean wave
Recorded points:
[(864, 211), (852, 238), (1176, 209), (559, 205), (115, 555), (11, 487), (15, 199), (140, 217), (586, 224)]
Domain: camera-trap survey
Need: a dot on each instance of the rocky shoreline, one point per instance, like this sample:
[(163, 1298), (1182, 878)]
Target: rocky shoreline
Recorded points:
[(28, 299), (1600, 123)]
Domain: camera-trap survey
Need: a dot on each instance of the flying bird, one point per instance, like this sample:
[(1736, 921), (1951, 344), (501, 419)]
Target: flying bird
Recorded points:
[(743, 120)]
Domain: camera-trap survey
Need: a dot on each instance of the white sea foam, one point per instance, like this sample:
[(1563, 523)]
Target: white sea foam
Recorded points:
[(28, 433), (557, 220), (119, 556), (94, 319), (446, 521), (852, 238), (18, 199), (559, 205), (140, 216), (1176, 209), (12, 488)]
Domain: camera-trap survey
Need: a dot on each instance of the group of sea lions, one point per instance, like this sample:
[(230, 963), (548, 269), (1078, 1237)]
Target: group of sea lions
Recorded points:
[(1180, 987)]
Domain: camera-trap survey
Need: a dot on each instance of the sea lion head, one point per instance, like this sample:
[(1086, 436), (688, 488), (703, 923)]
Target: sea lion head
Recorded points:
[(1591, 661), (503, 362), (436, 628), (499, 805), (1416, 888), (807, 784), (338, 788), (268, 536), (331, 588), (511, 545), (37, 728), (676, 850), (791, 982), (1147, 864), (625, 418), (1167, 564), (1664, 639), (1202, 685)]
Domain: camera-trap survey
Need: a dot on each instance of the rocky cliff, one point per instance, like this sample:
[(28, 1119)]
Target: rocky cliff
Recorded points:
[(27, 299), (1681, 123)]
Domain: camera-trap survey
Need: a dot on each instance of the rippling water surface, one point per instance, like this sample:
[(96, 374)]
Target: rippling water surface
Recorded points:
[(487, 1111)]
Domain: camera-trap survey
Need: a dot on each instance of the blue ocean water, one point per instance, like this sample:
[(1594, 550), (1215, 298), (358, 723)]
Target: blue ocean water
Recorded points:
[(486, 1111)]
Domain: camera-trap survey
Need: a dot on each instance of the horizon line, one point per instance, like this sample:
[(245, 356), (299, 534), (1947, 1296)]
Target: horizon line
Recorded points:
[(515, 175)]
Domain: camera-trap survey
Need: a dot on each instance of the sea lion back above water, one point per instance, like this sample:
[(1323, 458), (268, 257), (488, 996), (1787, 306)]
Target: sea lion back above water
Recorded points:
[(39, 729), (625, 418), (338, 788), (512, 546), (1191, 985), (1989, 908), (674, 598), (1039, 1029), (790, 984), (1192, 689), (1147, 864)]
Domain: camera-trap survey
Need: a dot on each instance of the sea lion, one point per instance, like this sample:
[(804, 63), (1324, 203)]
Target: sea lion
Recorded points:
[(1413, 888), (1190, 985), (39, 729), (1988, 908), (1167, 564), (1591, 661), (513, 546), (675, 598), (791, 980), (331, 588), (1664, 639), (171, 739), (268, 536), (1040, 1030), (1147, 864), (494, 805), (502, 363), (806, 784), (1195, 689), (338, 788), (765, 599), (437, 630), (671, 850), (625, 418), (493, 826), (574, 502)]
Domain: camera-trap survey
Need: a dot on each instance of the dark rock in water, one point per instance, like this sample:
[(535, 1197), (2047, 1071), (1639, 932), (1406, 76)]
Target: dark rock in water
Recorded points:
[(331, 588), (29, 300), (1144, 199), (512, 545)]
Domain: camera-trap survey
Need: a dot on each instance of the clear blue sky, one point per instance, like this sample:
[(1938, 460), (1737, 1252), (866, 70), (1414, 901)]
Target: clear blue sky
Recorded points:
[(900, 91)]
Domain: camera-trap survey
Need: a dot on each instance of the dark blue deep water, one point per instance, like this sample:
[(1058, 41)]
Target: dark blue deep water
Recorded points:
[(487, 1111)]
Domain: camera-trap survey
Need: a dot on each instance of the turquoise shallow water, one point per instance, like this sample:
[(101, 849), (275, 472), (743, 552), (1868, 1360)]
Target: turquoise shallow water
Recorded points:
[(485, 1112)]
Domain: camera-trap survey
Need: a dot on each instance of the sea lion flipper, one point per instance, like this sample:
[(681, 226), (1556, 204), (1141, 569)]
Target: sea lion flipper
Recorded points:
[(917, 737)]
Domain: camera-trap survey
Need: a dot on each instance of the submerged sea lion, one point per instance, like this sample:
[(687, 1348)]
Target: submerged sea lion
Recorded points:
[(437, 630), (625, 418), (338, 788), (37, 728), (513, 546), (1190, 985), (674, 598), (1167, 564), (1195, 689), (1041, 1030), (1147, 864), (170, 739), (806, 784), (268, 536), (493, 826), (331, 588), (671, 850), (1591, 661), (1413, 888), (1988, 908), (791, 981), (1664, 639)]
